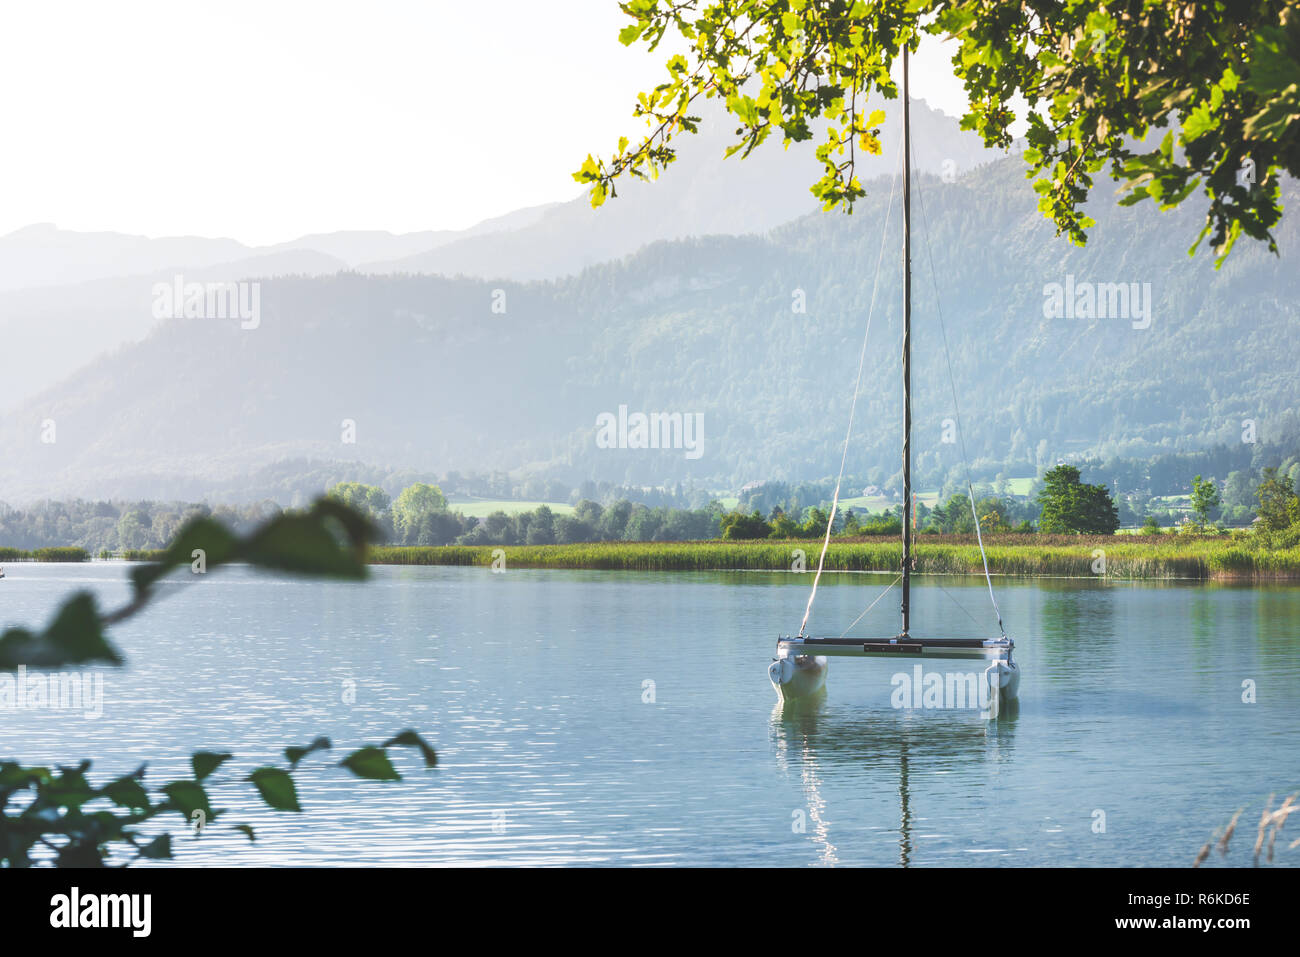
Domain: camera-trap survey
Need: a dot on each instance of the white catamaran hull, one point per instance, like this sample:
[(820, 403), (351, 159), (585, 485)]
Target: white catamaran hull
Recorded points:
[(796, 673), (798, 676), (1008, 679)]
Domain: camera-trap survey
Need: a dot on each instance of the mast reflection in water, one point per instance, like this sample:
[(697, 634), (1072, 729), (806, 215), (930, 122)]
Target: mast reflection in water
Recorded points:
[(818, 742)]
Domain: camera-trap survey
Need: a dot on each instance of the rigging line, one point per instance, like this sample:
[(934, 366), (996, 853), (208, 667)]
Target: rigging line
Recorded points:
[(853, 408), (957, 603), (988, 579), (956, 409), (873, 604)]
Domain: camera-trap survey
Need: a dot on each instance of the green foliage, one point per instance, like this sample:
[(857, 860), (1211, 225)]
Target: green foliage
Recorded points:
[(1069, 506), (276, 787), (74, 636), (814, 523), (58, 816), (783, 526), (737, 525), (1239, 490), (886, 523), (952, 517), (590, 522), (1205, 499), (1092, 80), (205, 762), (46, 554), (992, 519), (371, 763), (417, 504), (369, 500), (329, 540), (62, 553), (294, 755), (48, 528), (1279, 507)]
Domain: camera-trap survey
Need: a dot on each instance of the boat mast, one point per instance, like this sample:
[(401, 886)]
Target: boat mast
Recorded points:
[(907, 348)]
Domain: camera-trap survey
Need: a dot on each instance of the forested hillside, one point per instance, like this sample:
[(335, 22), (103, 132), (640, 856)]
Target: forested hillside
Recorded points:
[(436, 373)]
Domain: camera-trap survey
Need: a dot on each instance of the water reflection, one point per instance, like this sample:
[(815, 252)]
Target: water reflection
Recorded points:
[(1154, 730), (820, 741), (796, 750), (905, 814), (1077, 622)]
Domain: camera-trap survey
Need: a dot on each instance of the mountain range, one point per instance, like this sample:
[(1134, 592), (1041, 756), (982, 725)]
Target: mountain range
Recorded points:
[(68, 297), (754, 336)]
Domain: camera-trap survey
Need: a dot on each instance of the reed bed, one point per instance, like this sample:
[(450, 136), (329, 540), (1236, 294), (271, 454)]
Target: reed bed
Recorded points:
[(1127, 559), (59, 554), (1026, 556)]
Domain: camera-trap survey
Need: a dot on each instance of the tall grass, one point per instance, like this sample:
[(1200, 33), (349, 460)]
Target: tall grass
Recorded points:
[(142, 554), (1158, 558), (1126, 557), (59, 554)]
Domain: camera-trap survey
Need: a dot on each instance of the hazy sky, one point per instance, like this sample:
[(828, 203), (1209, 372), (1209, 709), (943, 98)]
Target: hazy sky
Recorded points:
[(263, 121)]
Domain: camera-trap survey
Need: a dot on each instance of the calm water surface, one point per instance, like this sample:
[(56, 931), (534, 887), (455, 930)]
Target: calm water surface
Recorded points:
[(532, 686)]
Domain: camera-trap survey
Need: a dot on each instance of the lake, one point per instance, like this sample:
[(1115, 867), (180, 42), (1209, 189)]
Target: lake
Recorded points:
[(626, 718)]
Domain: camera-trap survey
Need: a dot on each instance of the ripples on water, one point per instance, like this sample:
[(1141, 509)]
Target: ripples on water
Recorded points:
[(531, 686)]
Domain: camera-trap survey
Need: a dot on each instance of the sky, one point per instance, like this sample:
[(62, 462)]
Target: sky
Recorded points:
[(269, 120)]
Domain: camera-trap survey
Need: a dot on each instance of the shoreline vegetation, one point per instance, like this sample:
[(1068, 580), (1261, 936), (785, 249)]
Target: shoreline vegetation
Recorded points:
[(49, 554), (1122, 556), (1129, 557), (1069, 529)]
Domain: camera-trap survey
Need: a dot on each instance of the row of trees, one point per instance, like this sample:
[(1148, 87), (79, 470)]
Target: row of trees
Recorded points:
[(1064, 504), (118, 526), (1136, 483), (1070, 505), (421, 515), (592, 522), (812, 523)]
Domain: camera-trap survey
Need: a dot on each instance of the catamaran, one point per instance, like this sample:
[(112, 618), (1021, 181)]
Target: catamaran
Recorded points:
[(800, 667)]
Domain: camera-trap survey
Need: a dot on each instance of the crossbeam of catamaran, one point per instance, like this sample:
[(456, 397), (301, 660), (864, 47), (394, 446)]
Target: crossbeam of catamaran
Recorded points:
[(801, 663)]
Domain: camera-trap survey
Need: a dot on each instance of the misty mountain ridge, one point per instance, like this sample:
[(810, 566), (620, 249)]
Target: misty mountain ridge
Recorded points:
[(701, 194), (83, 294), (759, 335), (44, 255)]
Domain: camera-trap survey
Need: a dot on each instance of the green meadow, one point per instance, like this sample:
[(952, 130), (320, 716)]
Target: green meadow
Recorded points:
[(881, 503), (1020, 486)]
